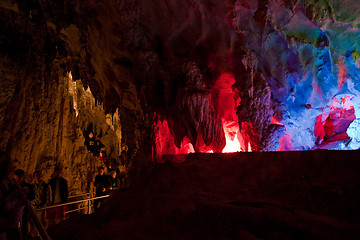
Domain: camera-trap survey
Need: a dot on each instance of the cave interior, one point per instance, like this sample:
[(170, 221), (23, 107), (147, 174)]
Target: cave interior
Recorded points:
[(229, 119)]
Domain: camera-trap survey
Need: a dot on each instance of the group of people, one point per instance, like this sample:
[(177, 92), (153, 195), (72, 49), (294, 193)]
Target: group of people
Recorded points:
[(40, 194), (105, 184), (97, 148)]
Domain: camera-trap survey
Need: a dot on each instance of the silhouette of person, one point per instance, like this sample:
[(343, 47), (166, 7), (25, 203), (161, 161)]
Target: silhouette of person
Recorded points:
[(60, 193)]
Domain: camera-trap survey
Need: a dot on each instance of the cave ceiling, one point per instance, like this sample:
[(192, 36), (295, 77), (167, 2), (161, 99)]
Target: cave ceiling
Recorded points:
[(288, 61)]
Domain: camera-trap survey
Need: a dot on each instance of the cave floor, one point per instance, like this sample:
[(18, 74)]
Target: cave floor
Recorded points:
[(268, 195)]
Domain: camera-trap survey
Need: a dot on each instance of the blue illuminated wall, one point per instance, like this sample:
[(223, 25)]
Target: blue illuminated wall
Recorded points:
[(312, 69)]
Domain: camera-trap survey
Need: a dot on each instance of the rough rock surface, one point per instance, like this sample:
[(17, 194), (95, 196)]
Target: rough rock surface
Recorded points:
[(289, 59)]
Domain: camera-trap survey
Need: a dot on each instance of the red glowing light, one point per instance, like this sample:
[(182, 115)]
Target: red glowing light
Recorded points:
[(165, 144), (285, 143), (275, 121), (225, 100), (231, 134)]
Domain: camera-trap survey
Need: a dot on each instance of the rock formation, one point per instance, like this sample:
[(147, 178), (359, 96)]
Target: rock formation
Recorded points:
[(139, 64)]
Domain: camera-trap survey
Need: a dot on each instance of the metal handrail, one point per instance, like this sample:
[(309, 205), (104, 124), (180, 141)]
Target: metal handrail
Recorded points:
[(38, 224), (69, 203), (40, 227), (79, 195)]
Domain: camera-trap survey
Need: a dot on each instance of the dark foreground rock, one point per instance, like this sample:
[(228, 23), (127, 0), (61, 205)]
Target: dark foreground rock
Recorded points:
[(276, 195)]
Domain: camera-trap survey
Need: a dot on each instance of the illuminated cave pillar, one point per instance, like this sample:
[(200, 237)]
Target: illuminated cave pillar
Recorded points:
[(225, 100)]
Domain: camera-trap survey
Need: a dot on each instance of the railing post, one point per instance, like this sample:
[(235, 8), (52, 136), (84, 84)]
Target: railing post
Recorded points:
[(65, 207), (40, 227)]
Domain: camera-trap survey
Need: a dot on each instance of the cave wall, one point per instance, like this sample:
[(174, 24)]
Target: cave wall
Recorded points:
[(40, 125), (39, 129), (289, 60), (142, 59)]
